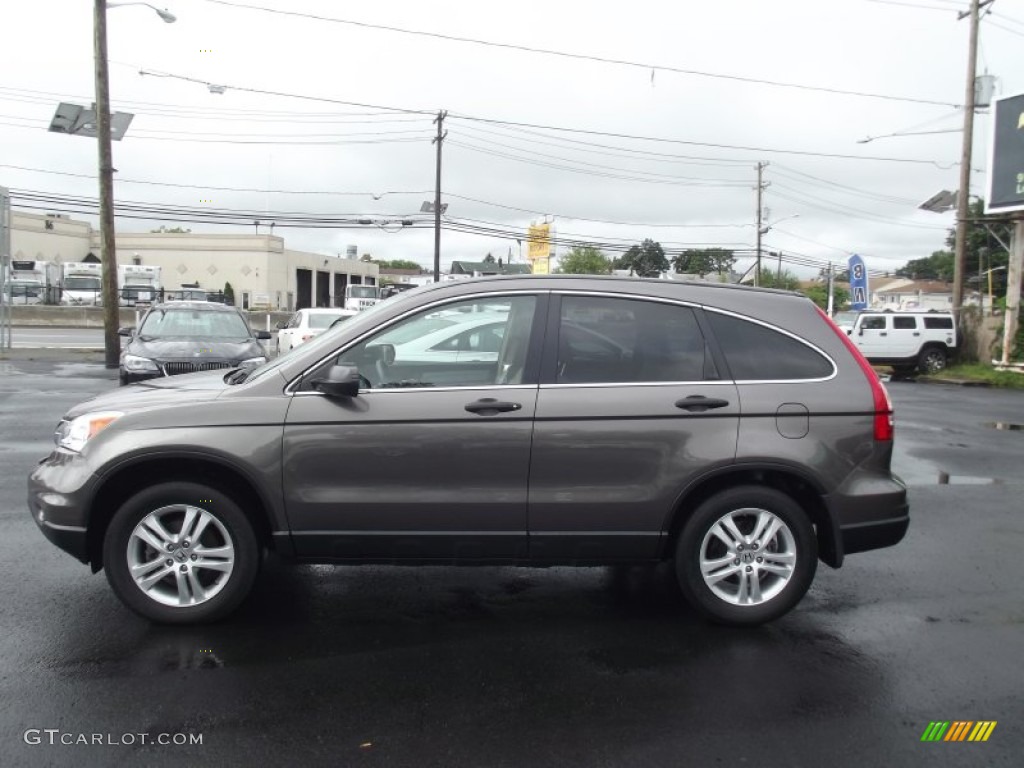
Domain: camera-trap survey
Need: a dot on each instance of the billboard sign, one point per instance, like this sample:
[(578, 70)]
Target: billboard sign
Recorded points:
[(539, 242), (858, 283), (1006, 156)]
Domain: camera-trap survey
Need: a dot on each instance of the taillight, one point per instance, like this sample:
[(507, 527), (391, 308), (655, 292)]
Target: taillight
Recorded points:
[(884, 423)]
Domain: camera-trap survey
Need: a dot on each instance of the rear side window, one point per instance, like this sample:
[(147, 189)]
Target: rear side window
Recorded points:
[(757, 353), (904, 322), (939, 322), (603, 341)]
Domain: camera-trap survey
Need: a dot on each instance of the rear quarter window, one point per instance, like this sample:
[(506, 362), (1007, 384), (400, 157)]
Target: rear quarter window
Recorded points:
[(757, 353), (945, 323), (904, 322)]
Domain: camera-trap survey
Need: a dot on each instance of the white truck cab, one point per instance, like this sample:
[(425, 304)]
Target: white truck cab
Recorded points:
[(906, 340)]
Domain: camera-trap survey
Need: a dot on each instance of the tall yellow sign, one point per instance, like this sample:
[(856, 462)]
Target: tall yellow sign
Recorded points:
[(539, 242)]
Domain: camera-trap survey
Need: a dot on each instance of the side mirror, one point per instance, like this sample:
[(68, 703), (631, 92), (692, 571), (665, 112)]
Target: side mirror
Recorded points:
[(342, 381), (860, 332), (125, 332), (281, 325), (262, 334)]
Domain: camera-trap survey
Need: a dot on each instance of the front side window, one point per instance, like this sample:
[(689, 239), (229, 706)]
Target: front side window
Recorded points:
[(604, 340), (757, 353), (481, 342)]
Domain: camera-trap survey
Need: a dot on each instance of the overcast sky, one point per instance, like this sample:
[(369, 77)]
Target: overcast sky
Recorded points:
[(683, 79)]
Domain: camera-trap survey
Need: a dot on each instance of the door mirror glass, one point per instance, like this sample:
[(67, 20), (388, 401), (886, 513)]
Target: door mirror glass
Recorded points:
[(339, 381)]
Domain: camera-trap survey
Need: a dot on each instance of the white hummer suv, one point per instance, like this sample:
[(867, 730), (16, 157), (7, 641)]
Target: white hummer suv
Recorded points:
[(906, 340)]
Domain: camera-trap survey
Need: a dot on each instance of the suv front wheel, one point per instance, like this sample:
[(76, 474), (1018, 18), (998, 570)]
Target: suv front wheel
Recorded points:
[(180, 553), (746, 556)]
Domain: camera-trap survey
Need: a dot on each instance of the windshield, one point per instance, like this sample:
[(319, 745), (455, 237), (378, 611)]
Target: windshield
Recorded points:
[(193, 323), (362, 291), (81, 283), (322, 320)]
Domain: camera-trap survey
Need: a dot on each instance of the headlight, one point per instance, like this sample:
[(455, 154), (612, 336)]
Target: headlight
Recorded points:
[(253, 361), (137, 364), (74, 434)]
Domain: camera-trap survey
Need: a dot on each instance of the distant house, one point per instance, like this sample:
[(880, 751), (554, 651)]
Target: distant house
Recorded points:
[(483, 268), (903, 293)]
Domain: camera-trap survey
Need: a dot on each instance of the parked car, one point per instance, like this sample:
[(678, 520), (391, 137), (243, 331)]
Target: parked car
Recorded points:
[(185, 337), (305, 324), (735, 432), (907, 341)]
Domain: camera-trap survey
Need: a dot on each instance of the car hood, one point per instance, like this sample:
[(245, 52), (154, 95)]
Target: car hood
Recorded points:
[(192, 349), (189, 388)]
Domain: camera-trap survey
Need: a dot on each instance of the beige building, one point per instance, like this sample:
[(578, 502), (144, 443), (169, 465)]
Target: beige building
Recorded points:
[(263, 273)]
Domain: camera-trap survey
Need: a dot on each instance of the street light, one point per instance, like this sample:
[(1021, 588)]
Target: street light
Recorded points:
[(108, 253)]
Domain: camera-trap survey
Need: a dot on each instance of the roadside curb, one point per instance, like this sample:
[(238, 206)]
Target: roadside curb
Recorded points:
[(55, 354), (954, 382)]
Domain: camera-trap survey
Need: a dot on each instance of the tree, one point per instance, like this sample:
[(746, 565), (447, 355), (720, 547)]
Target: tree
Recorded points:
[(786, 281), (938, 266), (645, 260), (171, 230), (818, 293), (703, 261), (584, 260), (489, 259), (396, 264), (229, 294)]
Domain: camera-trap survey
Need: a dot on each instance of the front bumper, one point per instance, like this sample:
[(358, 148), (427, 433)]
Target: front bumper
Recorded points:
[(58, 490)]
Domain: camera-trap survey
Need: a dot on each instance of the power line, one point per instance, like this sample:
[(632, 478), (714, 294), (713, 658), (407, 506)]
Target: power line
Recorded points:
[(614, 173), (375, 195), (647, 67)]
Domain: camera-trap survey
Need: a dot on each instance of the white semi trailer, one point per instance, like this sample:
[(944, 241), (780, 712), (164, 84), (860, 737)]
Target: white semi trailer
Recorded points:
[(33, 282), (138, 285)]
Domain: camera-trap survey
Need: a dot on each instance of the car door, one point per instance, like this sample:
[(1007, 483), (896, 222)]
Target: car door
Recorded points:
[(630, 409), (905, 336), (871, 336), (430, 461)]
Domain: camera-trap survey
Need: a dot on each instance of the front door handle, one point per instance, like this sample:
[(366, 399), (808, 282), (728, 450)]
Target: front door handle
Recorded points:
[(488, 406), (699, 403)]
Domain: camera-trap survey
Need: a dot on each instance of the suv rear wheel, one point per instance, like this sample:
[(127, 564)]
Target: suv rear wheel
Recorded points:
[(932, 360), (746, 556), (180, 553)]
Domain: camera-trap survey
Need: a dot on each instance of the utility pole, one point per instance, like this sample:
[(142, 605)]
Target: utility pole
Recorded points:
[(108, 253), (760, 189), (1013, 283), (830, 304), (439, 139), (964, 197)]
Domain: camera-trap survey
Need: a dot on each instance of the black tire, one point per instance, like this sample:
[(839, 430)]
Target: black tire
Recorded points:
[(203, 565), (794, 540), (932, 360)]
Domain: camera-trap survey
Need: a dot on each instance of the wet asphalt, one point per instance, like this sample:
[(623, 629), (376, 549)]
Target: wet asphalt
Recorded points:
[(388, 666)]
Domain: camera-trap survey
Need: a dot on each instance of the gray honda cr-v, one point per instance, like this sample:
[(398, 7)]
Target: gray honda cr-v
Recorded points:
[(528, 420)]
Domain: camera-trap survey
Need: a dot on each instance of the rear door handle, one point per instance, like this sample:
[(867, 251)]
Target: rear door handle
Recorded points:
[(488, 406), (699, 403)]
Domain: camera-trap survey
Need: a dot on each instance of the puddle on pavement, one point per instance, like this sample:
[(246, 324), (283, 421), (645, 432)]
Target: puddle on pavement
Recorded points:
[(1004, 425), (915, 471)]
